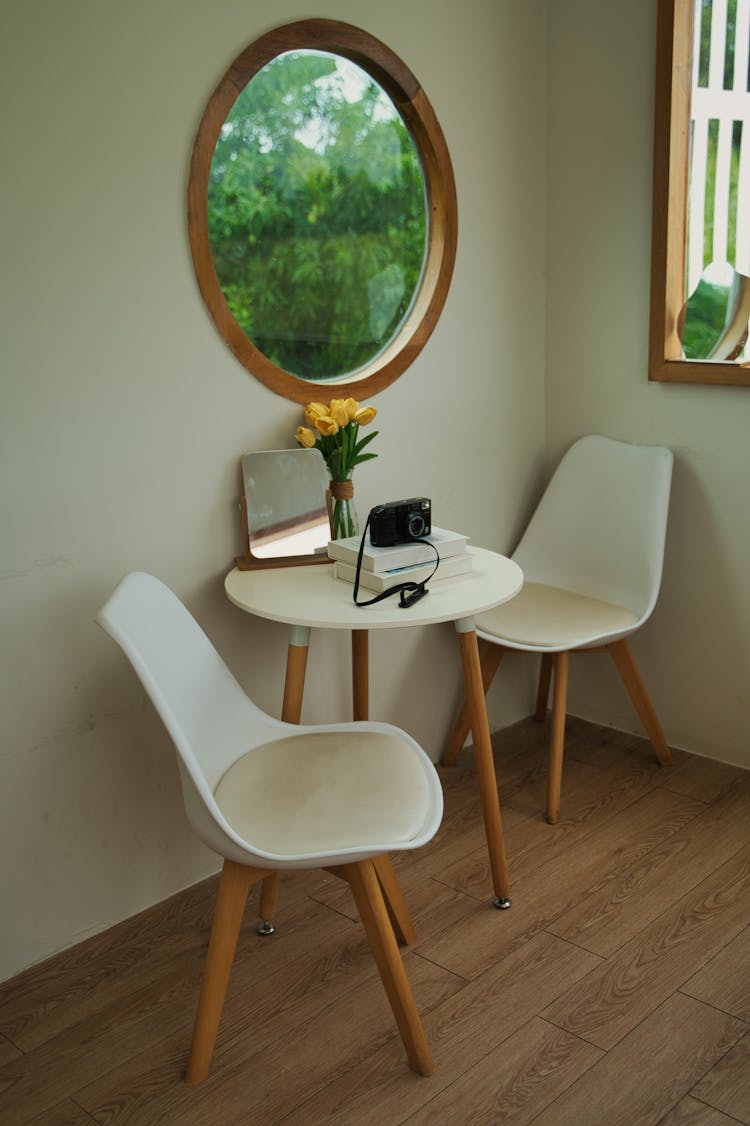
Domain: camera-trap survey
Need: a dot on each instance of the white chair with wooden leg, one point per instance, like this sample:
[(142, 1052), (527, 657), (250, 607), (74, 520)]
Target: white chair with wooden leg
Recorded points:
[(592, 561), (269, 796)]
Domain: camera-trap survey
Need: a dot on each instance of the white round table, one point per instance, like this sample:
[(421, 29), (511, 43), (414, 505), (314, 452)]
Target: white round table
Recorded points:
[(310, 597)]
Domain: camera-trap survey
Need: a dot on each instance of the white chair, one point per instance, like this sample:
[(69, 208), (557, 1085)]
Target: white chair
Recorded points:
[(269, 796), (592, 561)]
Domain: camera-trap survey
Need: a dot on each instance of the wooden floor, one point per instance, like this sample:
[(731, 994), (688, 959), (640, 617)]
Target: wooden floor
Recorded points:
[(616, 989)]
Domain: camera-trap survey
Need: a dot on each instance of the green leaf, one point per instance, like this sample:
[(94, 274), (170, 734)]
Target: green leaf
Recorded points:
[(366, 441)]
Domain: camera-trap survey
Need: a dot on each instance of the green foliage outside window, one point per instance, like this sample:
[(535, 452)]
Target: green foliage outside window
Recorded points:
[(317, 215), (704, 321)]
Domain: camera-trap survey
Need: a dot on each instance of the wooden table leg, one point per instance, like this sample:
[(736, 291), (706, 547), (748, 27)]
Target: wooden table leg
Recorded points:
[(392, 894), (269, 902), (291, 712), (360, 674), (490, 658), (485, 765), (557, 736), (296, 666)]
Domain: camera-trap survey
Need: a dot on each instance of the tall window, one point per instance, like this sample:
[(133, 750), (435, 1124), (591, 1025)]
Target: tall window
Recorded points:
[(701, 255)]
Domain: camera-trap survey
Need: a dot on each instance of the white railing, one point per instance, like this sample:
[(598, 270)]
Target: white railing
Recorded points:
[(714, 103)]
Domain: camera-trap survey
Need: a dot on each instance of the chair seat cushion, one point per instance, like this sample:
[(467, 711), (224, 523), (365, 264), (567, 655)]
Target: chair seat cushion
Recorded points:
[(311, 793), (548, 617)]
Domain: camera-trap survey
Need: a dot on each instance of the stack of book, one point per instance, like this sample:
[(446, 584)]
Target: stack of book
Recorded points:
[(384, 567)]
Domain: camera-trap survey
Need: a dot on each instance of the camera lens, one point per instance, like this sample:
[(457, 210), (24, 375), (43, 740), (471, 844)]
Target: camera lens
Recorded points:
[(416, 525)]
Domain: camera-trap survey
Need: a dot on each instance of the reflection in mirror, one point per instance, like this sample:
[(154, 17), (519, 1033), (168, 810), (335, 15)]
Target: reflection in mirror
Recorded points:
[(317, 215), (700, 302), (284, 505), (716, 316)]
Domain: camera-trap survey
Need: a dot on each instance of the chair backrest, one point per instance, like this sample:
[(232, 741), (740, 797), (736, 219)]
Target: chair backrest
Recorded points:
[(206, 712), (600, 527)]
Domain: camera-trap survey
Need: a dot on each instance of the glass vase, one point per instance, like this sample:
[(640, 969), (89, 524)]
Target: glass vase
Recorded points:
[(341, 511)]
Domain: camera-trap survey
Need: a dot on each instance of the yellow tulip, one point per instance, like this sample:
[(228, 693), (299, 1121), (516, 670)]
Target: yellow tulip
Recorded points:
[(338, 412), (352, 406), (315, 410), (365, 415), (326, 426), (305, 437)]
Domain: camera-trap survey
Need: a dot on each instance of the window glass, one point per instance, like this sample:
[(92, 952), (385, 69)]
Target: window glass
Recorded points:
[(317, 215), (718, 238), (700, 278), (321, 211)]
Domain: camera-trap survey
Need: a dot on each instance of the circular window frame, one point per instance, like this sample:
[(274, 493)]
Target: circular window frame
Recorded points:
[(398, 82)]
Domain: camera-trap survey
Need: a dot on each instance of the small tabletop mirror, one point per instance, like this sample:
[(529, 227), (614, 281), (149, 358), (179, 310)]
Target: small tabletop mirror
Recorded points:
[(284, 514)]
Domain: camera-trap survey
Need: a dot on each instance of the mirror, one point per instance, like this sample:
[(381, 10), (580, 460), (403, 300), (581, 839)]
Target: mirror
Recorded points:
[(322, 212), (700, 282), (285, 518), (715, 324)]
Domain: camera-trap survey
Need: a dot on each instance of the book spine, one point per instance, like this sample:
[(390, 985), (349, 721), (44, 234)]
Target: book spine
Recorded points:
[(401, 555), (384, 580)]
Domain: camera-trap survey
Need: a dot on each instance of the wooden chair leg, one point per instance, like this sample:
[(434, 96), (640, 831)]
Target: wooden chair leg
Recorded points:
[(491, 657), (398, 911), (631, 678), (368, 897), (542, 694), (557, 739), (234, 885)]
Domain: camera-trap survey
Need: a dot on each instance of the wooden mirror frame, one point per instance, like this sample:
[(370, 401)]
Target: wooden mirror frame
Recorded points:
[(411, 102), (674, 39)]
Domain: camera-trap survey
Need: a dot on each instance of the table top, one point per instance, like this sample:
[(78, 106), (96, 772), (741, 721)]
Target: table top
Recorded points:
[(313, 596)]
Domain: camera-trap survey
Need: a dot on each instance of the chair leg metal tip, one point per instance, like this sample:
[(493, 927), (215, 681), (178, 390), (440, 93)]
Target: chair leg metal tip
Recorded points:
[(502, 903), (265, 926)]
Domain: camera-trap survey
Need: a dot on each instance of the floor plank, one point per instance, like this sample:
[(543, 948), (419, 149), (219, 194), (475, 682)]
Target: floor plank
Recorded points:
[(513, 1082), (622, 842), (624, 989), (656, 877), (725, 981), (66, 1113), (647, 1073), (727, 1084), (692, 1112), (8, 1051), (702, 778)]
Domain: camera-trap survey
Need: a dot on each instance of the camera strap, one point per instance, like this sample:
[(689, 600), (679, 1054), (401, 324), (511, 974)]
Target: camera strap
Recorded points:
[(410, 592)]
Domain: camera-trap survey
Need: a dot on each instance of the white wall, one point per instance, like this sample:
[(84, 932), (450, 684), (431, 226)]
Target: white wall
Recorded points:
[(124, 417), (695, 652)]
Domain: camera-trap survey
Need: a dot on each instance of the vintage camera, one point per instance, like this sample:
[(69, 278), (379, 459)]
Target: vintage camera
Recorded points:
[(399, 521)]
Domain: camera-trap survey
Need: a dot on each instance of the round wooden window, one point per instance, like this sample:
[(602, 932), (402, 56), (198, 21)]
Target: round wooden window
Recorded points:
[(322, 212)]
